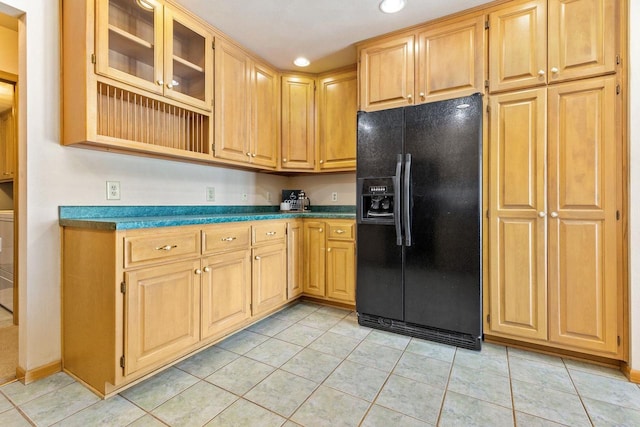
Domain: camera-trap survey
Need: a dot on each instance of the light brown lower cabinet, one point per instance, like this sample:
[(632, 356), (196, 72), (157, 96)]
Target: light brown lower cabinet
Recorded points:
[(553, 217), (329, 265), (136, 300)]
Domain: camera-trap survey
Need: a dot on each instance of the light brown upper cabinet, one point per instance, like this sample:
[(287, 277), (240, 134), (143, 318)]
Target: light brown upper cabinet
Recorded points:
[(298, 122), (435, 62), (387, 73), (451, 60), (539, 42), (156, 48), (553, 229), (337, 117), (246, 100)]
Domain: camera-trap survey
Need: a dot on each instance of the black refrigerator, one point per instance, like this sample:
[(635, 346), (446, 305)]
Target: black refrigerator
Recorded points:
[(418, 221)]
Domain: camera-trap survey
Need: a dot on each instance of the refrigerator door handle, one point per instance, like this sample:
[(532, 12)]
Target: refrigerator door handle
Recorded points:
[(396, 204), (407, 200)]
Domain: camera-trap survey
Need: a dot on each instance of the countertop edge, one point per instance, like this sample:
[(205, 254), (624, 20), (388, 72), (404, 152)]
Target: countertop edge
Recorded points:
[(132, 223)]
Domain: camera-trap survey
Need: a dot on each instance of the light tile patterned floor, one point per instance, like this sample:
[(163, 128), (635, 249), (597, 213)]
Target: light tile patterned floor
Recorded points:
[(312, 365)]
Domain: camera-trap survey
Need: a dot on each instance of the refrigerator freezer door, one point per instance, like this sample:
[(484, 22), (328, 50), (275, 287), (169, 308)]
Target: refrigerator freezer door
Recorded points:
[(443, 263), (379, 258), (380, 136), (379, 287)]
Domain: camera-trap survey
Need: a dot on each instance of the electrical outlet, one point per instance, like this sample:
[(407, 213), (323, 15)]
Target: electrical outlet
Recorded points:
[(211, 194), (268, 196), (334, 196), (113, 190), (244, 197)]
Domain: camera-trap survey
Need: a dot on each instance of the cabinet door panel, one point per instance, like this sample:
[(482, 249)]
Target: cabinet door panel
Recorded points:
[(518, 46), (583, 282), (581, 38), (387, 74), (314, 258), (232, 103), (129, 42), (341, 275), (264, 116), (226, 292), (269, 287), (517, 255), (295, 259), (188, 60), (298, 131), (337, 110), (162, 315), (451, 61)]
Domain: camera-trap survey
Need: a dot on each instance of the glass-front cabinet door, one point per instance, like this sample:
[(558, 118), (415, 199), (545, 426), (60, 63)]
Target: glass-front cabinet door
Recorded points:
[(153, 47), (188, 60), (129, 42)]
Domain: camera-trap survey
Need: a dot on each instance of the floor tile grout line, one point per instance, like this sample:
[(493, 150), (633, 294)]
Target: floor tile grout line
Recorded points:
[(586, 411), (513, 399)]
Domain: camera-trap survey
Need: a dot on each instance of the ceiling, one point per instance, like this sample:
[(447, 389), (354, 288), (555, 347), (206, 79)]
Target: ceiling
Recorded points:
[(324, 31)]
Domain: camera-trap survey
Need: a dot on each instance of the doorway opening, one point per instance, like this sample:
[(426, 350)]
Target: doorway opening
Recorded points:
[(8, 199)]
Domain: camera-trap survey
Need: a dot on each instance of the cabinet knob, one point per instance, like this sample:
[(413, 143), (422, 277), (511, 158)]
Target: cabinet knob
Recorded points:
[(319, 230), (249, 154), (169, 86), (541, 73), (409, 96), (328, 249), (253, 155), (206, 269), (339, 231), (159, 82), (422, 95), (554, 214), (257, 258), (228, 239), (554, 70), (198, 271), (284, 160), (541, 214), (321, 161)]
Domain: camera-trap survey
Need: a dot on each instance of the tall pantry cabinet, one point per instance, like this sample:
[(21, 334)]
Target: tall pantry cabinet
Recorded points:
[(554, 174)]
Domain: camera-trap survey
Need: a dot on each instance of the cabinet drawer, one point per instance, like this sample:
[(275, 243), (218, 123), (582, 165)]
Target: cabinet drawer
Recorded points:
[(341, 230), (224, 237), (147, 249), (269, 232)]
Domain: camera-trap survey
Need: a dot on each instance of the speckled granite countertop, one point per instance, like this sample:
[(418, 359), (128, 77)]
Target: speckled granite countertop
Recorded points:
[(132, 217)]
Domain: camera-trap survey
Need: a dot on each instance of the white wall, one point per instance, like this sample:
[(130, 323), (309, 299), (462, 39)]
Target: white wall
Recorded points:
[(319, 188), (634, 187)]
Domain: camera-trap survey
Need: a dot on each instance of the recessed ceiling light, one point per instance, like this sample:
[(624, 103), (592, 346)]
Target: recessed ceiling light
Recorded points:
[(392, 6), (301, 62)]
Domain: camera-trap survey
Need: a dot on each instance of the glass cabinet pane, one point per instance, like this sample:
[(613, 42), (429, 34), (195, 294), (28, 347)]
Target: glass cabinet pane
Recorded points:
[(188, 61), (129, 37)]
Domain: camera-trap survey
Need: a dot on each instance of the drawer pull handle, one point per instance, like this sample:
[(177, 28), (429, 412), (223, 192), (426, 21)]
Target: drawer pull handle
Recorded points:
[(228, 239), (339, 231), (166, 247), (270, 233)]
